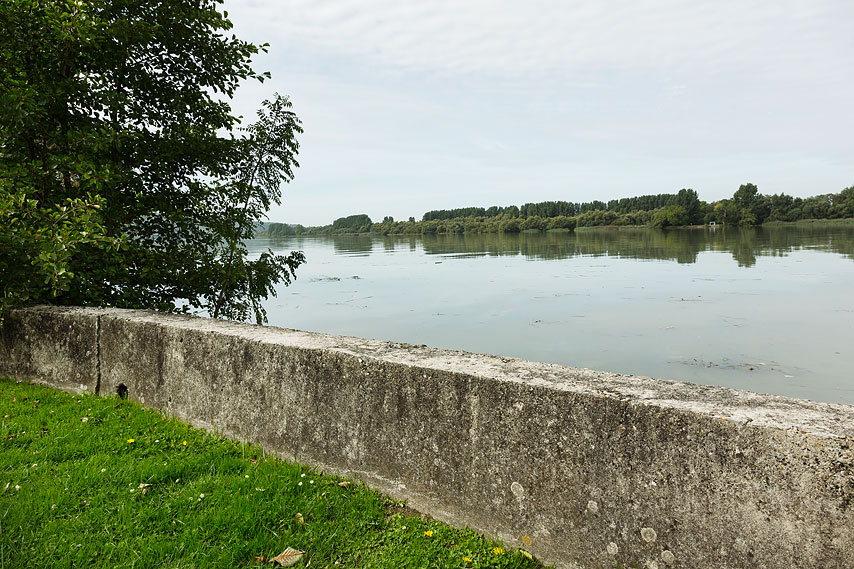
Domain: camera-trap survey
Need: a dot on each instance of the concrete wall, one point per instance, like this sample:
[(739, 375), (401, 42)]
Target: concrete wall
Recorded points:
[(577, 466)]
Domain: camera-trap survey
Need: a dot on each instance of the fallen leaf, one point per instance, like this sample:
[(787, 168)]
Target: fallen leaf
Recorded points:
[(526, 539), (260, 558), (299, 519), (288, 557), (343, 484)]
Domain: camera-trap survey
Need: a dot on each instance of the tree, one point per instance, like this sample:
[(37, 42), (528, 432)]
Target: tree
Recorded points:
[(744, 201), (690, 202), (672, 215), (37, 242), (844, 202), (124, 179), (266, 161), (359, 223), (781, 206)]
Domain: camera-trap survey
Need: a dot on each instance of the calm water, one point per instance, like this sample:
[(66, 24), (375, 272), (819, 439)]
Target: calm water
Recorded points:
[(768, 310)]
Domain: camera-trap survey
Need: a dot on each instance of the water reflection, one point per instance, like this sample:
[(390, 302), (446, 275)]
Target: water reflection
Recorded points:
[(680, 245), (766, 309), (353, 245)]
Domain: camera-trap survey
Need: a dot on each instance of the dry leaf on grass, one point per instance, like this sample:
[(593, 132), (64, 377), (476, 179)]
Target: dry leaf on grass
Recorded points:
[(260, 558), (288, 557), (343, 484), (299, 519)]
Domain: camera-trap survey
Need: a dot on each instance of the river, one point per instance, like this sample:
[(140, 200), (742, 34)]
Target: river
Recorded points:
[(769, 310)]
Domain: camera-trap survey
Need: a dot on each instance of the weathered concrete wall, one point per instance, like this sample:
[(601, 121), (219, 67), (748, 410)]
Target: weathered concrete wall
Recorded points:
[(579, 467), (55, 346)]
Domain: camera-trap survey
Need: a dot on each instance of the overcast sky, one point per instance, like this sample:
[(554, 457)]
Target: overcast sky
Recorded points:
[(433, 104)]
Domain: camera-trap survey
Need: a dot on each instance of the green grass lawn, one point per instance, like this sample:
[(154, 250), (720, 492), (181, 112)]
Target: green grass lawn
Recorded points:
[(90, 481)]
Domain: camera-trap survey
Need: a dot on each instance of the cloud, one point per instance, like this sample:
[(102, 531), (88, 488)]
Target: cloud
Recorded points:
[(543, 37), (420, 105)]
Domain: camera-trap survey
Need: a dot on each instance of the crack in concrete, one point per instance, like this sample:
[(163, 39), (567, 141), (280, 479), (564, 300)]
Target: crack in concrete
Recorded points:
[(98, 355)]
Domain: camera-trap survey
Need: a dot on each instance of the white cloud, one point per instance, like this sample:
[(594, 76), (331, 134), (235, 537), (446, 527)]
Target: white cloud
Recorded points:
[(541, 37), (411, 106)]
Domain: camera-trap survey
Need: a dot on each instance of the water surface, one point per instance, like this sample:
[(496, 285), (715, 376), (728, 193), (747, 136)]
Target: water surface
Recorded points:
[(767, 310)]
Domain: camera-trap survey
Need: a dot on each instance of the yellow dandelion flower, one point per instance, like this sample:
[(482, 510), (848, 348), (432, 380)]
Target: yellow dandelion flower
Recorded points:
[(429, 533), (184, 443), (130, 441), (498, 550), (467, 559)]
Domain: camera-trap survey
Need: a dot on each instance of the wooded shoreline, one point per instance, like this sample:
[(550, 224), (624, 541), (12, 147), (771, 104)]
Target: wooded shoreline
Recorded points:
[(747, 207)]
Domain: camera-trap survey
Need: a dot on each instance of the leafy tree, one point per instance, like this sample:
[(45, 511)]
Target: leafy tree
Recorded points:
[(744, 203), (510, 225), (359, 223), (594, 217), (690, 202), (36, 243), (670, 216), (534, 222), (453, 213), (266, 161), (781, 206), (642, 203), (844, 202), (124, 178)]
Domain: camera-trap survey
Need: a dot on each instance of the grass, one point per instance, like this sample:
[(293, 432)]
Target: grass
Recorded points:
[(819, 223), (90, 481)]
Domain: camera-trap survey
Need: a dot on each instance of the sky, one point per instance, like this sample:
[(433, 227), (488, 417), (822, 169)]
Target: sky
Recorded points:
[(436, 104)]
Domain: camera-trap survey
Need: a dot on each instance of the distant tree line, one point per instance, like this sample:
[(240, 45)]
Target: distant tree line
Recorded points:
[(557, 208), (746, 207)]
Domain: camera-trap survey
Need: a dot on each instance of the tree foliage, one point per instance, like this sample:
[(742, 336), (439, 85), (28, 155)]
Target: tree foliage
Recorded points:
[(749, 207), (551, 209), (359, 223), (672, 215), (125, 180), (37, 243)]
